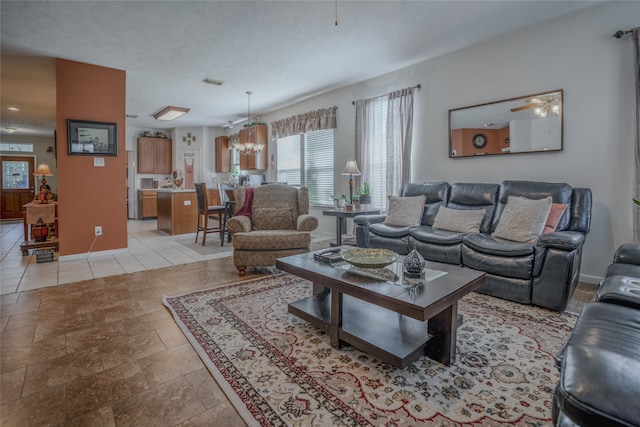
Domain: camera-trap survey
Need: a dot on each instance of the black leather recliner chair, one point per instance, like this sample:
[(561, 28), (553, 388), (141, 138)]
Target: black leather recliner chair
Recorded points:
[(600, 362)]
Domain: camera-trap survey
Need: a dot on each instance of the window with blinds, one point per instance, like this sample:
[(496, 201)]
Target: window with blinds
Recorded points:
[(308, 160), (378, 180)]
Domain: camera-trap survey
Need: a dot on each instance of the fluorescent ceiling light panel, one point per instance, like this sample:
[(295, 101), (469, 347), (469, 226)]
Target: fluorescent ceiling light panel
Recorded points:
[(171, 113)]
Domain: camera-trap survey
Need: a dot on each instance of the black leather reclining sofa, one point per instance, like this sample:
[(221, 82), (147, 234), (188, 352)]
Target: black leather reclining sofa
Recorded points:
[(600, 362), (543, 273)]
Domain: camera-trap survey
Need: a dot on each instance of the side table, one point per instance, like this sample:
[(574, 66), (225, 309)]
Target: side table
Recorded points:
[(30, 214), (341, 219)]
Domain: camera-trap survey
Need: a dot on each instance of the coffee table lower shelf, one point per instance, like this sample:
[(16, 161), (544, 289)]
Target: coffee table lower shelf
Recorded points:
[(391, 337)]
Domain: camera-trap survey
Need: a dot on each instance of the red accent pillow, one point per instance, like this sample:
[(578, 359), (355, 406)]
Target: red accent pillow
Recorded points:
[(557, 209)]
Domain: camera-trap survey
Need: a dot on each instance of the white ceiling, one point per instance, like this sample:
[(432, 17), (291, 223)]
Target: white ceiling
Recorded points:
[(282, 51)]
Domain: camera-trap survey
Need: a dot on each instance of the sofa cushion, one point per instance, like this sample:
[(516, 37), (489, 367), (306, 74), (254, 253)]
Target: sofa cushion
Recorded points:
[(555, 214), (462, 220), (523, 219), (405, 211), (474, 195), (389, 231), (427, 234), (502, 258), (486, 244), (437, 194), (272, 219)]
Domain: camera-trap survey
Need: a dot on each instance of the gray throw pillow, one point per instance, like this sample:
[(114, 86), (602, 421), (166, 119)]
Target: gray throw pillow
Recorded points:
[(405, 211), (523, 219), (460, 220)]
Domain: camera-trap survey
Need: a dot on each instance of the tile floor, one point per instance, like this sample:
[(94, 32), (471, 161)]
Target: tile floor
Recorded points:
[(147, 249), (105, 351)]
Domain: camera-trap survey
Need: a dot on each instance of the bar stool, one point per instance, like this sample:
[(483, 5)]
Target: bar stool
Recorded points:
[(205, 212), (227, 197)]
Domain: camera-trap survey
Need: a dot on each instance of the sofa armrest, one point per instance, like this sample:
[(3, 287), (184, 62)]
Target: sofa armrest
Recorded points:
[(629, 253), (239, 224), (367, 220), (566, 240), (306, 222)]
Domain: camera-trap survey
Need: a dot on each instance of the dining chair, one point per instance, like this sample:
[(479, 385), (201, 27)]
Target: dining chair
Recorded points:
[(206, 212)]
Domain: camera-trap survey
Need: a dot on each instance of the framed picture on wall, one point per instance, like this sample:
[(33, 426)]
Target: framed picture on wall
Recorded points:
[(92, 138)]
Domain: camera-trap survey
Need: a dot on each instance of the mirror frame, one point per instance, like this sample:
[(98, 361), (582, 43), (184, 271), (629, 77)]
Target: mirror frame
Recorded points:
[(495, 117)]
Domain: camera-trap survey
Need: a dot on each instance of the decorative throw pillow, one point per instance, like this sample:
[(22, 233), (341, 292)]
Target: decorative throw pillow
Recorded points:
[(557, 209), (523, 219), (405, 211), (272, 219), (461, 220)]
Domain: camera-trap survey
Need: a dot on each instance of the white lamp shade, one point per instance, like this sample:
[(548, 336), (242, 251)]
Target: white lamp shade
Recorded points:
[(351, 168)]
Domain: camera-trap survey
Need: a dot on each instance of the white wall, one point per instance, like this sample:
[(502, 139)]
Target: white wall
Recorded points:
[(576, 53)]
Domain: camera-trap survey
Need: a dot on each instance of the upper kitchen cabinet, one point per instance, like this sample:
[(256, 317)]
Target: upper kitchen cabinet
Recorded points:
[(259, 135), (223, 155), (154, 155)]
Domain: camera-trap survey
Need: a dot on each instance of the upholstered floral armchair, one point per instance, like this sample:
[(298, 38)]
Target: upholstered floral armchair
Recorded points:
[(270, 222)]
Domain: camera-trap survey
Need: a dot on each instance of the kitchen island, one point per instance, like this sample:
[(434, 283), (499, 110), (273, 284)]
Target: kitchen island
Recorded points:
[(177, 211)]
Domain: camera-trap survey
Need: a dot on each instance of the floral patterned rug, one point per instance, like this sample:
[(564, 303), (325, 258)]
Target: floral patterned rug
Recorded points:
[(279, 370)]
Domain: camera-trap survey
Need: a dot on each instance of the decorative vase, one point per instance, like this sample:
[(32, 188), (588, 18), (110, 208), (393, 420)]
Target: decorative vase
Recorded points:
[(178, 182), (413, 265), (340, 203)]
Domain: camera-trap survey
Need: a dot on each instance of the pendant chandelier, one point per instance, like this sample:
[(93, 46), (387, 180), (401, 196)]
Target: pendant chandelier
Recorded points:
[(247, 148)]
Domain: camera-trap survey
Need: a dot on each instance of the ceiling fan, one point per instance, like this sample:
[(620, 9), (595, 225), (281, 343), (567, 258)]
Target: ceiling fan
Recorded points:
[(542, 105), (229, 125)]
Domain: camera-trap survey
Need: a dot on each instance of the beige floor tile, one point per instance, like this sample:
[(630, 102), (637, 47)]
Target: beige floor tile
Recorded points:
[(101, 417), (121, 350)]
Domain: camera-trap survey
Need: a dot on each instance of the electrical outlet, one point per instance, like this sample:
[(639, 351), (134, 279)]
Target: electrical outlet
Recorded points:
[(98, 230)]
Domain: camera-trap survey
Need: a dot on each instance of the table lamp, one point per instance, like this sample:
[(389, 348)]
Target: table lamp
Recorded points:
[(351, 169), (43, 170)]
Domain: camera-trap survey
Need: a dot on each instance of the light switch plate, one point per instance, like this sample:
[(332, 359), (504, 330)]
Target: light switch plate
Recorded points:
[(98, 162), (187, 202)]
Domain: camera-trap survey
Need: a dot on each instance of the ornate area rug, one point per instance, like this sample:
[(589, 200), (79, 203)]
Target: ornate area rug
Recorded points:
[(279, 370)]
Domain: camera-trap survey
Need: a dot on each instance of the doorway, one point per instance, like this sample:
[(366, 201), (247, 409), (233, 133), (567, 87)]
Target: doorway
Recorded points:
[(18, 187)]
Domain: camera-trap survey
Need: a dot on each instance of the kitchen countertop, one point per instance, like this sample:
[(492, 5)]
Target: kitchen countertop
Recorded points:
[(171, 190)]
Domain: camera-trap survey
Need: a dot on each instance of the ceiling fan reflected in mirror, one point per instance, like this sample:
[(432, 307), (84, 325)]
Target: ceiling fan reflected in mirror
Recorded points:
[(542, 105)]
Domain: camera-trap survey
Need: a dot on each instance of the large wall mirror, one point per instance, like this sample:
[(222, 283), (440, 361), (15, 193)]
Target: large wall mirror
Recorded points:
[(531, 123)]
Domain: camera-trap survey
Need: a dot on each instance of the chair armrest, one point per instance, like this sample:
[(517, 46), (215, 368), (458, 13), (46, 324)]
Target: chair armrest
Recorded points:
[(368, 219), (628, 253), (306, 222), (566, 240), (239, 224)]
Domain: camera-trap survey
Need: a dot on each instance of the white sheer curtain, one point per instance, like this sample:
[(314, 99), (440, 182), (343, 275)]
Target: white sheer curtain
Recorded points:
[(399, 135), (383, 143), (636, 53)]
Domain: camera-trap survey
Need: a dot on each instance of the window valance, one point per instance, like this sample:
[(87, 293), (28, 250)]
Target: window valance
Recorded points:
[(324, 118)]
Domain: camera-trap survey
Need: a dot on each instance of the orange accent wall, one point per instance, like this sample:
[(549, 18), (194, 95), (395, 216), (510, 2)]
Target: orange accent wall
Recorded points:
[(89, 196), (461, 141)]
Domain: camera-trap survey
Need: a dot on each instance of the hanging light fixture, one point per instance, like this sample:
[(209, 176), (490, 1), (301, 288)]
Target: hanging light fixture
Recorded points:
[(248, 148)]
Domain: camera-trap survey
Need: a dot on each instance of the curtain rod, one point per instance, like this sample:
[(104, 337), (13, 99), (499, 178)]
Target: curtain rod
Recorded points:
[(620, 34), (418, 86)]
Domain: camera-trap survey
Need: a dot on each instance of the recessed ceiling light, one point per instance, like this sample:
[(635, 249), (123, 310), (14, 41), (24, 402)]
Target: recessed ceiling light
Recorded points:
[(13, 109), (171, 113), (213, 81)]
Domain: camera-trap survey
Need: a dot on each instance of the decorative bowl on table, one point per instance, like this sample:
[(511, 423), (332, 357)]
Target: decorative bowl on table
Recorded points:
[(370, 257)]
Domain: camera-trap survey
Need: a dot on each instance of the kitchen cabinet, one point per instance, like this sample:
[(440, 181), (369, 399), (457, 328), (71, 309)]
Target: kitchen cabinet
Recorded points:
[(223, 154), (147, 204), (154, 155), (258, 136)]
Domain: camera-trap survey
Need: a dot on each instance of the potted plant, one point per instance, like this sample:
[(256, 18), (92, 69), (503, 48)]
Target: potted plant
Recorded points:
[(341, 201), (365, 193)]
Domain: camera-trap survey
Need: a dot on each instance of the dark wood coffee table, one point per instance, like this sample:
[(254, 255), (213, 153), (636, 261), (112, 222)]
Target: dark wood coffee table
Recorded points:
[(391, 322)]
